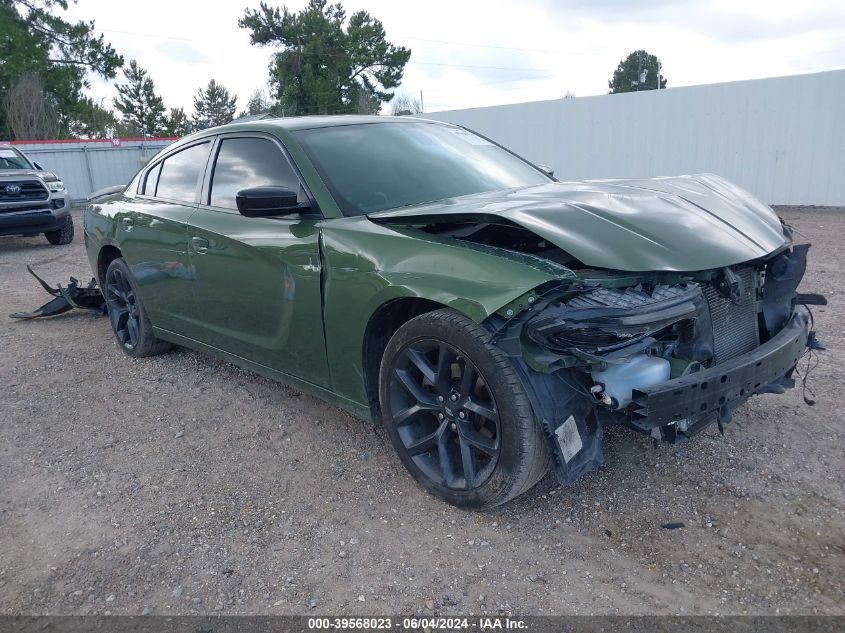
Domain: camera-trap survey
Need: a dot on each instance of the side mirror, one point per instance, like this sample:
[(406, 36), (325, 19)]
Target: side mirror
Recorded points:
[(547, 170), (261, 202)]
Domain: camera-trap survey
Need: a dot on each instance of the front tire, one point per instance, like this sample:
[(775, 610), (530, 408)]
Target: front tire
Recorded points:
[(127, 316), (457, 413), (61, 236)]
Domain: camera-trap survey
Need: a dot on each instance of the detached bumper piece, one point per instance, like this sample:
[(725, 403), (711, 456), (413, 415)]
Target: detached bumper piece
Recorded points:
[(683, 406), (65, 299)]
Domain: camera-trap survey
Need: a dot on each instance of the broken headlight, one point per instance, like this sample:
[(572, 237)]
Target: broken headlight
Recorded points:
[(607, 319), (586, 337)]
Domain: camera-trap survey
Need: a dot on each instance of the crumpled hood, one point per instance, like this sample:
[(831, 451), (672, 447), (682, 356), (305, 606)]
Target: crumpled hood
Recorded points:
[(46, 176), (684, 223)]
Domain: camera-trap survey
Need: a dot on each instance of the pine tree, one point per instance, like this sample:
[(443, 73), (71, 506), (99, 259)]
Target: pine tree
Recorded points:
[(39, 46), (213, 106), (326, 63), (639, 71), (141, 107), (258, 104), (176, 123)]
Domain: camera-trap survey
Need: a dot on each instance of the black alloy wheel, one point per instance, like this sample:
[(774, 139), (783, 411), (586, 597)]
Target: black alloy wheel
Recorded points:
[(457, 413), (124, 312), (129, 321), (445, 414)]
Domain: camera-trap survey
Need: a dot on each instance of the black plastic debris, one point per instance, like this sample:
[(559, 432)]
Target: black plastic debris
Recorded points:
[(674, 525), (65, 299)]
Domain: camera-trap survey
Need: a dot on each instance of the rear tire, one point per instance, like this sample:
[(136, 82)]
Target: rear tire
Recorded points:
[(127, 316), (457, 413), (61, 236)]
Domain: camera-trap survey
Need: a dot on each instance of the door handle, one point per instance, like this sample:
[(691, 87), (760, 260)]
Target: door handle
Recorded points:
[(199, 244)]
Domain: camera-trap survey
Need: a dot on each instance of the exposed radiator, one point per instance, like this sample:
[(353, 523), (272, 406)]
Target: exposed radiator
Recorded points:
[(735, 326)]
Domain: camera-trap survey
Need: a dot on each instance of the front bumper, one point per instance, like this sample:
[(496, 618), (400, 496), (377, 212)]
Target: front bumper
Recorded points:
[(685, 405), (33, 221)]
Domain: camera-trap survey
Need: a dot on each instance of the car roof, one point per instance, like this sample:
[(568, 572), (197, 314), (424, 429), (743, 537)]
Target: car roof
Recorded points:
[(311, 122), (285, 125)]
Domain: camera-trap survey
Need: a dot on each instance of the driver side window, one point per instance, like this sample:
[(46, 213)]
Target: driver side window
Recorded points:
[(248, 162)]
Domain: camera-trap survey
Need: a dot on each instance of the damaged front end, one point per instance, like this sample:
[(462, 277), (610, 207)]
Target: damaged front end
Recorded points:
[(664, 353)]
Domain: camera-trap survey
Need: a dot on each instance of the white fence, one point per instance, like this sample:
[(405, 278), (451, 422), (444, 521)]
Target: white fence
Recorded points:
[(782, 139), (86, 166)]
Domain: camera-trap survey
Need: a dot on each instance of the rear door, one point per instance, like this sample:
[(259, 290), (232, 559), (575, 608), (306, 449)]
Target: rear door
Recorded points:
[(153, 236), (257, 286)]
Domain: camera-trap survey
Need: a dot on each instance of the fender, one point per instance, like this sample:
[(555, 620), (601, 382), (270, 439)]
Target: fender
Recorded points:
[(367, 265)]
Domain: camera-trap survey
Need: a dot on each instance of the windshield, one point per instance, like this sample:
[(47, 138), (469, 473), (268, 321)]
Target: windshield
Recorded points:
[(13, 159), (377, 166)]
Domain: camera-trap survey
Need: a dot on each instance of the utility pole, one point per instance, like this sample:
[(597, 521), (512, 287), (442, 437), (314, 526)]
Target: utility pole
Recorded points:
[(422, 103)]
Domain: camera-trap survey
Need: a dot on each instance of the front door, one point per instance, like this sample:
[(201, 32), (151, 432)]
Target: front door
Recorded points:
[(257, 280)]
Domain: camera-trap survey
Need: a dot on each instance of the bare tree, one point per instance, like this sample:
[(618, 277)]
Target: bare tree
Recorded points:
[(29, 113), (404, 105), (367, 103)]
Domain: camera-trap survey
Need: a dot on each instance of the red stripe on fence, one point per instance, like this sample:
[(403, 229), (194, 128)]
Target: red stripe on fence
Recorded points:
[(90, 140)]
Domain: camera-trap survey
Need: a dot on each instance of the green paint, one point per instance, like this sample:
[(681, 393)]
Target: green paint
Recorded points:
[(292, 297)]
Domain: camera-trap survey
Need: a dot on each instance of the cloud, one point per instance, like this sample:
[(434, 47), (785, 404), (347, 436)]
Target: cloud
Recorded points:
[(183, 52), (484, 52), (722, 20)]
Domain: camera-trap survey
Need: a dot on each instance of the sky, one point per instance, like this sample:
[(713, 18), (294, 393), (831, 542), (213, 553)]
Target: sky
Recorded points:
[(468, 53)]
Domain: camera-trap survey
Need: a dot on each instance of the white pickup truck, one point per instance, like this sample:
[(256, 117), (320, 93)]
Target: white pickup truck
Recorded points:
[(32, 200)]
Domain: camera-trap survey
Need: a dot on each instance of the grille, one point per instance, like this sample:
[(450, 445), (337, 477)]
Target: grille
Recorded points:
[(734, 325), (29, 190)]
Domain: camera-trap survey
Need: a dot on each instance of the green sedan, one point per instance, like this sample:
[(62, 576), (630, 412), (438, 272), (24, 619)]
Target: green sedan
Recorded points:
[(494, 319)]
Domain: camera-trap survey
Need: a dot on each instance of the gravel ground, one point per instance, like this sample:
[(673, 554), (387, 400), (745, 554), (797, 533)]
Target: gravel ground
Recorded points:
[(180, 485)]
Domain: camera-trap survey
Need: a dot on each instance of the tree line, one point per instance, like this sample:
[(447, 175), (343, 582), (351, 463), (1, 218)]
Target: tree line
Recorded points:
[(142, 111), (324, 62)]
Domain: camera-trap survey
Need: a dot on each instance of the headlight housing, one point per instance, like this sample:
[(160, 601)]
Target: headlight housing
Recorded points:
[(55, 186), (607, 319), (591, 338)]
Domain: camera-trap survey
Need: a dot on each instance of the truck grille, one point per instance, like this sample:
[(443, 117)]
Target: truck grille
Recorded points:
[(22, 191), (735, 330)]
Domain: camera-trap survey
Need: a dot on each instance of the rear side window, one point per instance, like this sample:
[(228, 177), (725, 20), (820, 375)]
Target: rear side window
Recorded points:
[(248, 162), (179, 175), (151, 181)]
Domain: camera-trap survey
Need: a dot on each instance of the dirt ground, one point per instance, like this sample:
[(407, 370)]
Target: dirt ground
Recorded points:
[(180, 485)]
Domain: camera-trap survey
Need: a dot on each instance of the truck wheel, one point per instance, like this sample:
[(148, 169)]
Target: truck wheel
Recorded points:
[(457, 413), (61, 236), (129, 320)]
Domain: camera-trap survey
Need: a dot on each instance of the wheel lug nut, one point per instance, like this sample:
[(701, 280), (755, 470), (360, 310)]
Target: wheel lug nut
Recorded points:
[(439, 416), (440, 398), (454, 426), (454, 397), (462, 415)]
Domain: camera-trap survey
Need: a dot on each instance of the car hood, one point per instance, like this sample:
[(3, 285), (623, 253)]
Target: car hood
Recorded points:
[(684, 223), (46, 176)]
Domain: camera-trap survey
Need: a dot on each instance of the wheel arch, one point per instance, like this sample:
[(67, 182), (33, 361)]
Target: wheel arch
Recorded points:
[(382, 325), (106, 256)]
